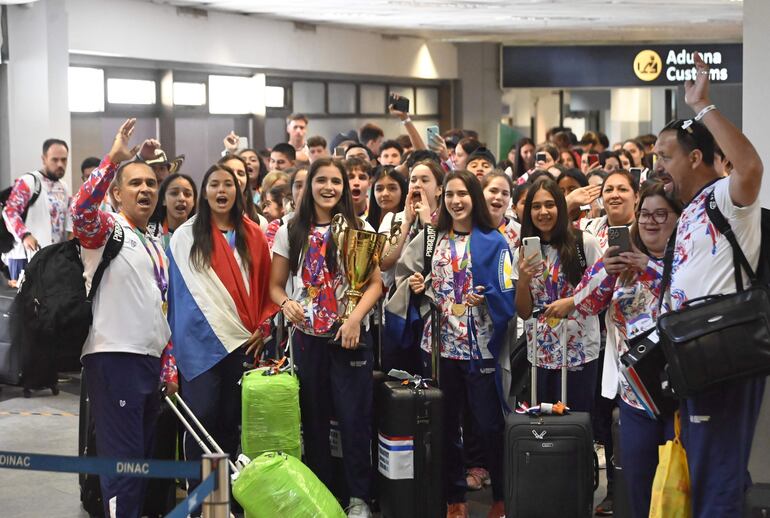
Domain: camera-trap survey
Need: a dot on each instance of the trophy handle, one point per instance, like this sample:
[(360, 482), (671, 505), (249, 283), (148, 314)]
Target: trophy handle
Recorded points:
[(337, 229), (395, 232)]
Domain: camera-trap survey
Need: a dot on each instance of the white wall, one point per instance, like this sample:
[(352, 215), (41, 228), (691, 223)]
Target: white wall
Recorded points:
[(158, 32), (630, 113), (756, 77)]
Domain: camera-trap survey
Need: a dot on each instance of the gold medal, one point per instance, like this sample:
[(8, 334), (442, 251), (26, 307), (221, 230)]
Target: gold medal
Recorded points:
[(312, 292), (164, 308), (458, 310)]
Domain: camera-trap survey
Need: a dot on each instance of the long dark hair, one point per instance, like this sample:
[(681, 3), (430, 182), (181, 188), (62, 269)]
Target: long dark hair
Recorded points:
[(299, 226), (159, 216), (375, 212), (203, 241), (563, 236), (648, 190), (521, 167), (479, 212)]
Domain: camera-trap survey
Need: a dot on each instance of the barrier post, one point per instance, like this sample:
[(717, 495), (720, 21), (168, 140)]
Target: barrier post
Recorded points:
[(217, 504)]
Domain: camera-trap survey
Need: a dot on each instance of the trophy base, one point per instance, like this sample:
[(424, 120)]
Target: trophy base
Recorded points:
[(361, 342)]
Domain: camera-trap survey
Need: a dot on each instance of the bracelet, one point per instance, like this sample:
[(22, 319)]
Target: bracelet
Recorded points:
[(284, 303), (704, 111), (406, 121)]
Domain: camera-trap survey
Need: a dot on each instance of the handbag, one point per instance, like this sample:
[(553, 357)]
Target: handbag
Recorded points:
[(643, 367), (717, 338), (671, 485)]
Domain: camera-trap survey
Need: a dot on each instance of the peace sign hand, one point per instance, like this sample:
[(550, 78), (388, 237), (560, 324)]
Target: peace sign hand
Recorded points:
[(120, 150), (696, 93)]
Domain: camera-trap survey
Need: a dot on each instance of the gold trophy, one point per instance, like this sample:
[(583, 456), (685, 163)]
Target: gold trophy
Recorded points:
[(361, 253)]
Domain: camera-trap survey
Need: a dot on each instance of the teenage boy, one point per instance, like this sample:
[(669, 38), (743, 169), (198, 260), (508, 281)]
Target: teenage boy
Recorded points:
[(359, 172)]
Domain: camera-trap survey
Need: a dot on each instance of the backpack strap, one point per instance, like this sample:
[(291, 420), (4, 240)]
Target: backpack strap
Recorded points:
[(581, 250), (111, 250), (34, 197), (724, 228), (430, 247)]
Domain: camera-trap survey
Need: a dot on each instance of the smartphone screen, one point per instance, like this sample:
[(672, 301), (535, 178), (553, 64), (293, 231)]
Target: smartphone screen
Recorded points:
[(637, 174), (243, 143), (339, 151), (431, 132), (531, 247), (541, 157), (398, 103), (620, 237)]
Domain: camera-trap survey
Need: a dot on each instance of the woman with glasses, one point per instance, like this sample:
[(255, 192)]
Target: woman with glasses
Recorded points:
[(627, 286)]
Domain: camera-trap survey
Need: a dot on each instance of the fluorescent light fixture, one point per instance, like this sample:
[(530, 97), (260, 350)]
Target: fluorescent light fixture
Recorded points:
[(231, 95), (130, 91), (86, 89), (274, 96), (189, 94)]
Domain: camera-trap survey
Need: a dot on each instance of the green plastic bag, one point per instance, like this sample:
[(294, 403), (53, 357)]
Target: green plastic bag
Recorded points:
[(276, 485), (270, 419)]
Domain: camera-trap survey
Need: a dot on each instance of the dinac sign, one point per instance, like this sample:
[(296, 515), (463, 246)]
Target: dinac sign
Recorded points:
[(624, 65)]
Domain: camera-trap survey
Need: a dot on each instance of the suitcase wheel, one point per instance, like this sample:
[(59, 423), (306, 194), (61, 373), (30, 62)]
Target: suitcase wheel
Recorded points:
[(55, 390)]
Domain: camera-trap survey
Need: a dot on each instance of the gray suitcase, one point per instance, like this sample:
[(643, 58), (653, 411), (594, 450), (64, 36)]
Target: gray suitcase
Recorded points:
[(10, 354)]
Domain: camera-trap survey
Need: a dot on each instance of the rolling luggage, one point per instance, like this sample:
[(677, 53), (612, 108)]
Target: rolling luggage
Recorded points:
[(621, 505), (270, 414), (410, 444), (10, 351), (160, 495), (757, 503), (549, 459)]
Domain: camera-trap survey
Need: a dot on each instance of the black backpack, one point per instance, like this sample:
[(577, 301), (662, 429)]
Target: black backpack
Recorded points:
[(7, 238), (53, 313)]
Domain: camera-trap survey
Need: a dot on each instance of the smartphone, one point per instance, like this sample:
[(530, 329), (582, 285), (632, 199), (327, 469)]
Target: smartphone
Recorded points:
[(531, 247), (339, 152), (593, 159), (243, 143), (541, 156), (620, 237), (398, 103), (636, 172), (431, 132)]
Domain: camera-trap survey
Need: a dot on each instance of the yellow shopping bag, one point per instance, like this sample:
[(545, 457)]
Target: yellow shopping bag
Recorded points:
[(671, 487)]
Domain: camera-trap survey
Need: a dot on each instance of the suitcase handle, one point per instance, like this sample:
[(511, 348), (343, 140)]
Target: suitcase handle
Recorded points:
[(203, 446), (564, 338)]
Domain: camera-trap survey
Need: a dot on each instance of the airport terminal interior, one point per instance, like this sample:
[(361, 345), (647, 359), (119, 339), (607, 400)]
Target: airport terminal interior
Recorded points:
[(205, 79)]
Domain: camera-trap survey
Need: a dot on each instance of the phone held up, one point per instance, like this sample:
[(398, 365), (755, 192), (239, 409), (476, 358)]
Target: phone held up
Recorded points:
[(620, 237), (339, 152), (541, 156), (531, 246), (432, 131), (398, 103)]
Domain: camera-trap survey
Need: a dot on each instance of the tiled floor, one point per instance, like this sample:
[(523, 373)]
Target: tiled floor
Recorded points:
[(31, 494)]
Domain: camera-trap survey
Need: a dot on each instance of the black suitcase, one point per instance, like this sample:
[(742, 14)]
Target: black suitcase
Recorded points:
[(10, 351), (549, 460), (160, 495), (757, 503), (621, 505), (410, 446)]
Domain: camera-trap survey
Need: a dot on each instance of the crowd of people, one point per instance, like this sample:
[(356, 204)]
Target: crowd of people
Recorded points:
[(192, 294)]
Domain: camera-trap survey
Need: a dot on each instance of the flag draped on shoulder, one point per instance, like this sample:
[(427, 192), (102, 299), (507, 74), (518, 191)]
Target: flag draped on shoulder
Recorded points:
[(213, 311)]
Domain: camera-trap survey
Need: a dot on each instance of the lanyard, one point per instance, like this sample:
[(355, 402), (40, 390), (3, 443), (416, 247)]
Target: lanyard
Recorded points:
[(315, 270), (502, 226), (459, 267), (157, 267)]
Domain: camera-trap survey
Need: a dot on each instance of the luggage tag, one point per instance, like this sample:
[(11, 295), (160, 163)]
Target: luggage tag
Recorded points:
[(406, 378), (558, 408)]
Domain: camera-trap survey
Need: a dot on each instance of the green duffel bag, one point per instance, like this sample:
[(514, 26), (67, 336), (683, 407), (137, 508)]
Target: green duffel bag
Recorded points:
[(277, 485)]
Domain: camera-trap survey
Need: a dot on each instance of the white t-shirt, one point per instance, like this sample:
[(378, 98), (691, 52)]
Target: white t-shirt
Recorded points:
[(299, 291), (549, 286), (703, 258), (389, 277)]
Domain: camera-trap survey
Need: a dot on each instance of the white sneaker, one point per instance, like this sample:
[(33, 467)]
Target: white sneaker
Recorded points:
[(358, 509)]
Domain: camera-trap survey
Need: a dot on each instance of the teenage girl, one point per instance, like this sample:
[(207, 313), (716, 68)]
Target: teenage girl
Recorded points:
[(334, 380), (474, 307), (176, 204), (543, 279), (218, 295)]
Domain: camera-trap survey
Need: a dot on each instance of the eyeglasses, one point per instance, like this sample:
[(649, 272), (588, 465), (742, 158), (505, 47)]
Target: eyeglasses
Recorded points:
[(658, 216)]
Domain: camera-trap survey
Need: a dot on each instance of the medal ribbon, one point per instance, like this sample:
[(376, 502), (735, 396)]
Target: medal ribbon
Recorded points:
[(157, 267), (315, 273), (459, 267)]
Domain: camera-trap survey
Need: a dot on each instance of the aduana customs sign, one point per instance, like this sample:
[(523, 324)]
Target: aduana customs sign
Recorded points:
[(617, 65)]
